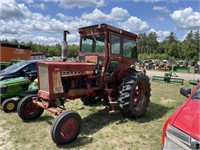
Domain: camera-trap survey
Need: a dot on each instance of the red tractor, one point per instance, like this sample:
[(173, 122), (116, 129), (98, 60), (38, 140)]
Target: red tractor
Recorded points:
[(104, 72)]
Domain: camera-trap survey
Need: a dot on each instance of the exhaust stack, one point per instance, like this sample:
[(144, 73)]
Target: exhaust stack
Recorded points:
[(64, 45)]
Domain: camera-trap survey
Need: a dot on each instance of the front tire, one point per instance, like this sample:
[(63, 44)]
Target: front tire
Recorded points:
[(66, 127), (134, 94), (27, 110), (9, 105)]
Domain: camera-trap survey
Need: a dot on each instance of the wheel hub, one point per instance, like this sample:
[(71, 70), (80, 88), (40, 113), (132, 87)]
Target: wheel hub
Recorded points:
[(69, 128), (10, 106), (31, 108), (138, 97)]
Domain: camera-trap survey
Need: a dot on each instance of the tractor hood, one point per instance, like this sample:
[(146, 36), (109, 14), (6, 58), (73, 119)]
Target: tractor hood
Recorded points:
[(53, 77), (12, 87), (65, 67)]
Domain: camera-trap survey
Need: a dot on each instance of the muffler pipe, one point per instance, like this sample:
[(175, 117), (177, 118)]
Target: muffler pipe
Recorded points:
[(64, 45)]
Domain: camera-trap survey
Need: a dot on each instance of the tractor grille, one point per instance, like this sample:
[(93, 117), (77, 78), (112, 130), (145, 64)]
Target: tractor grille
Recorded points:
[(43, 77)]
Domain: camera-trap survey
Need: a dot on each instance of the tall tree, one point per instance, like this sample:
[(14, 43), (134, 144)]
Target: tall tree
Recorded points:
[(171, 38), (171, 45), (142, 43), (153, 43), (190, 47)]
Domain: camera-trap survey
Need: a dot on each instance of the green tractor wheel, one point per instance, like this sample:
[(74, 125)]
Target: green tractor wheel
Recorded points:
[(9, 105)]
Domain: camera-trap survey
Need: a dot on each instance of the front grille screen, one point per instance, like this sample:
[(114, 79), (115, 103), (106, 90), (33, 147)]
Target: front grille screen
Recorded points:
[(43, 78)]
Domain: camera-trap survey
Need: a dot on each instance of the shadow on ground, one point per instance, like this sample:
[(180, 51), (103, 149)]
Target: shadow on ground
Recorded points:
[(96, 121), (154, 111)]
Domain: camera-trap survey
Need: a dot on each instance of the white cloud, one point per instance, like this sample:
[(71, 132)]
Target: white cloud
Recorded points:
[(9, 9), (12, 27), (29, 1), (161, 34), (54, 1), (25, 11), (155, 1), (39, 28), (186, 18), (162, 9), (81, 3), (160, 18), (147, 1), (34, 38), (134, 24), (115, 15), (45, 40), (40, 6), (64, 17), (95, 15), (73, 3), (118, 13)]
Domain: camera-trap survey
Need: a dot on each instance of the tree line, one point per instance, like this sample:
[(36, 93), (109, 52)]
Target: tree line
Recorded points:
[(148, 47), (170, 48), (48, 50)]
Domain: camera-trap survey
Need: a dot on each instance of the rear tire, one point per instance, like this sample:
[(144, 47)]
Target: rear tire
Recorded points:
[(134, 94), (27, 110), (66, 127), (9, 105)]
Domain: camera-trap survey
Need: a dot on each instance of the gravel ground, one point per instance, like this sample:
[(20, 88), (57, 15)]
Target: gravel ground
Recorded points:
[(185, 76)]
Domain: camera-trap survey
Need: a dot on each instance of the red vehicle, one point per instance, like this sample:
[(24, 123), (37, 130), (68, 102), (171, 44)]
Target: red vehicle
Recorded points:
[(105, 71), (182, 130)]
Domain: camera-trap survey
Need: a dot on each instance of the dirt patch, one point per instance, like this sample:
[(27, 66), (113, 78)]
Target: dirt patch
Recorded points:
[(167, 101)]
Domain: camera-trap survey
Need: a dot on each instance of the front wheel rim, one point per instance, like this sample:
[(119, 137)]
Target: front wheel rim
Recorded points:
[(69, 128), (10, 106), (31, 108)]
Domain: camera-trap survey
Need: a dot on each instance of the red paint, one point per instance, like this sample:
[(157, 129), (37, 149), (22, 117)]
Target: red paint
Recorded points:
[(186, 118), (69, 128)]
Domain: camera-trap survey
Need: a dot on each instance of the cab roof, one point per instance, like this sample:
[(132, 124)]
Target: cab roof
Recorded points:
[(107, 27)]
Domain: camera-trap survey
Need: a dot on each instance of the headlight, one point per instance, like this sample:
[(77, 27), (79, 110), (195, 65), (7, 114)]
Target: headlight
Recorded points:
[(179, 140), (3, 89)]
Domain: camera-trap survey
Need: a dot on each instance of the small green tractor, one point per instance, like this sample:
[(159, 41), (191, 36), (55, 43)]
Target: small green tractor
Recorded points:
[(12, 90)]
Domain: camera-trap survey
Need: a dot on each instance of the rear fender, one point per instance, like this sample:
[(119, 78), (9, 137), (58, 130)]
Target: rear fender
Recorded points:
[(124, 72)]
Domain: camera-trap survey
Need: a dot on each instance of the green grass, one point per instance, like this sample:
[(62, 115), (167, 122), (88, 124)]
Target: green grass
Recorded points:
[(99, 129)]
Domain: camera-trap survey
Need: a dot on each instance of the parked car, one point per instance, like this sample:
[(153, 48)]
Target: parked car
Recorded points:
[(20, 69), (182, 130)]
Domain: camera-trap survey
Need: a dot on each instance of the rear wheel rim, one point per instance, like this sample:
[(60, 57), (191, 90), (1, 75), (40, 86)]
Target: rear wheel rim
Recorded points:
[(69, 128), (138, 97)]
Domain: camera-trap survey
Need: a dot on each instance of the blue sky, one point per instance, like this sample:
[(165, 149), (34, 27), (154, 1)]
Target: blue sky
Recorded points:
[(42, 21)]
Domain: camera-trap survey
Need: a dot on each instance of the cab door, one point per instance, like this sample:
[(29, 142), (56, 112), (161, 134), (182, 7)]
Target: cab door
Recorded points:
[(115, 46)]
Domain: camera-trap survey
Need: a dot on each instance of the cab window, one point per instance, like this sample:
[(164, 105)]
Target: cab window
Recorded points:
[(129, 48), (92, 43), (115, 44)]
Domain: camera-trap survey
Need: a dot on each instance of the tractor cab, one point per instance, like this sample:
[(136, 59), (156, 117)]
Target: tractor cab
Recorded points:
[(113, 50)]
